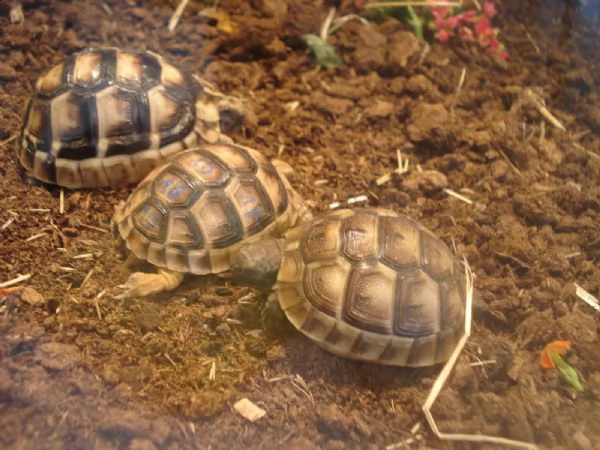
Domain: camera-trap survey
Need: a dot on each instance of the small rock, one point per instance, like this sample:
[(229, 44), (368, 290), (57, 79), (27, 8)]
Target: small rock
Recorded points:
[(582, 441), (419, 85), (402, 47), (31, 296), (277, 9), (57, 356), (426, 180), (499, 169), (249, 410), (6, 381), (7, 72), (579, 326), (332, 105), (148, 320), (141, 444), (381, 108), (428, 122)]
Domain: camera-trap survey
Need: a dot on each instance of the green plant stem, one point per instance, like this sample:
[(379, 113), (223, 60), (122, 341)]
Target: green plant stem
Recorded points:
[(415, 22)]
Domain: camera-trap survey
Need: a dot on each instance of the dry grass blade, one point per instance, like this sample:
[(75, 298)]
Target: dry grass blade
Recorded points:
[(587, 297), (15, 280), (177, 15), (325, 28), (443, 377), (373, 5), (537, 102), (458, 196), (461, 81)]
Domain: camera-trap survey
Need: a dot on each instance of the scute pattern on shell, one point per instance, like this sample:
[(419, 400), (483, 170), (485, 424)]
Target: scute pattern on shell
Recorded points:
[(107, 117), (190, 214), (373, 285)]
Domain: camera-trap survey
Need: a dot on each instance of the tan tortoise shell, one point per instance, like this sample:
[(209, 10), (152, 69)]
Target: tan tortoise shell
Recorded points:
[(373, 285), (193, 213), (107, 117)]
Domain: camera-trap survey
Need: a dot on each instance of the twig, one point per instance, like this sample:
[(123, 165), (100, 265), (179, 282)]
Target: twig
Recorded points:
[(455, 194), (35, 236), (61, 206), (587, 297), (543, 110), (458, 89), (6, 224), (510, 163), (177, 15), (327, 25), (373, 5), (15, 280), (443, 376), (92, 227)]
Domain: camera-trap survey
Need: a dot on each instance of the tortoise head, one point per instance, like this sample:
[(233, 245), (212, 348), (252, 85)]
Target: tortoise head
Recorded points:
[(259, 262)]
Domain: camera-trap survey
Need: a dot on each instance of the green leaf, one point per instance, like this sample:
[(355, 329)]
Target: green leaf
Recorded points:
[(324, 53), (567, 373)]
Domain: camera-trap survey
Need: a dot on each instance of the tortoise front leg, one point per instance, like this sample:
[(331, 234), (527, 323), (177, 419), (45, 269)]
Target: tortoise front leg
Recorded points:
[(140, 284)]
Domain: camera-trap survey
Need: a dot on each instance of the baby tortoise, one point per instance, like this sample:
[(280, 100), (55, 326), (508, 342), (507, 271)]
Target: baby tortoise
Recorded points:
[(367, 284), (107, 117), (193, 214)]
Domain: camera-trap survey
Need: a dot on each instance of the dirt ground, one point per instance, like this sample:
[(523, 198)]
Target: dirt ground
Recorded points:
[(82, 370)]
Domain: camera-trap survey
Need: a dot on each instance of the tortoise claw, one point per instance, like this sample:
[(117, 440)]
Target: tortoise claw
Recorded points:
[(140, 284)]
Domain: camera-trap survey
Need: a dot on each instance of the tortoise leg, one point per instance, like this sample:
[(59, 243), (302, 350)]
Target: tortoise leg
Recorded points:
[(140, 284), (273, 317)]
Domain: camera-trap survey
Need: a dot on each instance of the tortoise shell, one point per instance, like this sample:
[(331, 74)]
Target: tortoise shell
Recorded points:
[(107, 117), (373, 285), (192, 214)]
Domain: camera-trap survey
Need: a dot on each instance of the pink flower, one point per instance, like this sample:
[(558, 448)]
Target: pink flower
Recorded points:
[(439, 13), (483, 27), (443, 36), (468, 16), (466, 35), (453, 22), (439, 23), (489, 9)]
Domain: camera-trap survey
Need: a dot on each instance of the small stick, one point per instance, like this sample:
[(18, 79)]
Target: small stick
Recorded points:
[(98, 312), (61, 205), (443, 376), (6, 224), (92, 227), (212, 373), (177, 15), (458, 89), (327, 25), (587, 297), (170, 360), (424, 3), (455, 194), (543, 110), (35, 236), (15, 280), (510, 163), (83, 256), (87, 277)]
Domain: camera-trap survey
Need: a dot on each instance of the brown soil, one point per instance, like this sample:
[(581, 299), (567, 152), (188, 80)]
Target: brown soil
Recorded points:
[(79, 369)]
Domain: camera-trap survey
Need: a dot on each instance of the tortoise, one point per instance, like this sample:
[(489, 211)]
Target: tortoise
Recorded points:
[(368, 284), (192, 214), (107, 116)]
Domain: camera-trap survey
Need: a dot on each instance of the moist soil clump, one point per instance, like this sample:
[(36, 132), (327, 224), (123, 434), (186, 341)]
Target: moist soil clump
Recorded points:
[(81, 369)]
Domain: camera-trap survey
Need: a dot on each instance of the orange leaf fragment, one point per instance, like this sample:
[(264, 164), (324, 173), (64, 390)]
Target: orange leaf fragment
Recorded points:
[(556, 347)]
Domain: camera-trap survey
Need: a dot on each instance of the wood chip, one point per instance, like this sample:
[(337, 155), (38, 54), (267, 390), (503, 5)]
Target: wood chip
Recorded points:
[(249, 410)]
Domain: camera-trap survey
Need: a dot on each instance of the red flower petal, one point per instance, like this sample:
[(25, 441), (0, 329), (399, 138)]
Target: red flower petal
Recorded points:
[(489, 9)]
